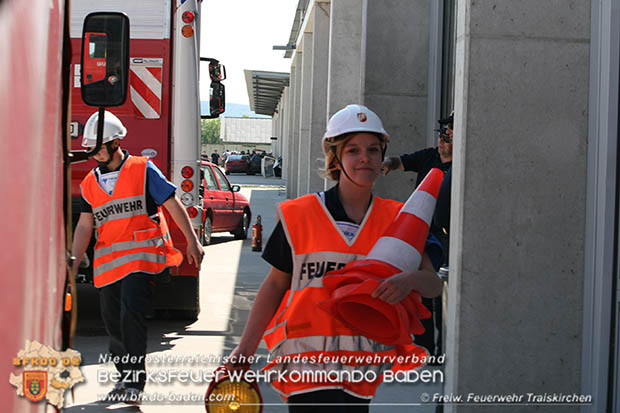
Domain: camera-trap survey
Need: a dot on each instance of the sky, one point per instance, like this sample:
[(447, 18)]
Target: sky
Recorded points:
[(241, 34)]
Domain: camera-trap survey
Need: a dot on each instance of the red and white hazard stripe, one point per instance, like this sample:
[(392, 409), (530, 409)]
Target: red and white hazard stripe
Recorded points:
[(145, 90), (403, 243)]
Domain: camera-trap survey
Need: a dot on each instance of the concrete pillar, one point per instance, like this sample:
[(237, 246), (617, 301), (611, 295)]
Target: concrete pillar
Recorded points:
[(304, 114), (344, 83), (320, 55), (515, 302), (285, 125), (277, 130), (396, 77), (290, 135), (280, 130), (296, 109)]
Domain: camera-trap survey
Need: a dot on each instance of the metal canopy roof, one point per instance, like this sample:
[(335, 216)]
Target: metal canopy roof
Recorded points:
[(265, 90), (300, 13)]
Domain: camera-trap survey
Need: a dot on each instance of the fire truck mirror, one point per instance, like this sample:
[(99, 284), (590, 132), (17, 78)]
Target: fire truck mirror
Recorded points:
[(217, 72), (217, 99), (105, 59)]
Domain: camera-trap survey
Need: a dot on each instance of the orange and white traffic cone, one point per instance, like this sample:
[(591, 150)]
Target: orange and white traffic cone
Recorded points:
[(399, 249)]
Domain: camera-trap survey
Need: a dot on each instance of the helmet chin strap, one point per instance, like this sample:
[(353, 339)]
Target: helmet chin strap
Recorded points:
[(383, 150), (342, 166), (111, 151)]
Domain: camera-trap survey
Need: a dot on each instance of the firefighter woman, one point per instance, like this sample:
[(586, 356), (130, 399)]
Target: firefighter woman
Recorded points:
[(121, 199), (315, 234)]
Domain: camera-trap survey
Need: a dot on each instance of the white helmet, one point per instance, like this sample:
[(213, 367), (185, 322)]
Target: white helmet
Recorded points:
[(112, 129), (354, 118)]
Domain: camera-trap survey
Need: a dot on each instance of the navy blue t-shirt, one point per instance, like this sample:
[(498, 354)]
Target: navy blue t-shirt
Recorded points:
[(423, 161), (278, 251), (159, 189)]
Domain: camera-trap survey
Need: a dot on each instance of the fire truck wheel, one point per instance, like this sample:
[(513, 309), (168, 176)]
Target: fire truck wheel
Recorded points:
[(242, 230), (205, 238)]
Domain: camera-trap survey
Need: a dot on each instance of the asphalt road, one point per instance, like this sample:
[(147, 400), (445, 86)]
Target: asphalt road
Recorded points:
[(231, 274)]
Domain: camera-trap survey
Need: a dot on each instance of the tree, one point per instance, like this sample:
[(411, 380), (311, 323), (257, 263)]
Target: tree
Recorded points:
[(210, 131)]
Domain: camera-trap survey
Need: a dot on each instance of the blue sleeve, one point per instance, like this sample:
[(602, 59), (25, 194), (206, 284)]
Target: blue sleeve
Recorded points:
[(414, 161), (159, 187), (434, 250)]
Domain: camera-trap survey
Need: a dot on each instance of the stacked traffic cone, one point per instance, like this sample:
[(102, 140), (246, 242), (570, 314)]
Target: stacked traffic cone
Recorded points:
[(399, 249)]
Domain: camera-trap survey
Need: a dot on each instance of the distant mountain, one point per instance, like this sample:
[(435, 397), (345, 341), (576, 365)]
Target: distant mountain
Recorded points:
[(233, 110)]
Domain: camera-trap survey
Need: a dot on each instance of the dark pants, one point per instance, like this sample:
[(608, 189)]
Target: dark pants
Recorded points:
[(123, 306), (431, 338), (336, 401), (427, 339)]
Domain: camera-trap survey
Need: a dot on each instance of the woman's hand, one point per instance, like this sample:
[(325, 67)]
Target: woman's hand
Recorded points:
[(393, 289), (424, 280), (238, 360)]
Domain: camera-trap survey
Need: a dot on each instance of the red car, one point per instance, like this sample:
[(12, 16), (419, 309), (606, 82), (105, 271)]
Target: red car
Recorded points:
[(237, 163), (224, 208)]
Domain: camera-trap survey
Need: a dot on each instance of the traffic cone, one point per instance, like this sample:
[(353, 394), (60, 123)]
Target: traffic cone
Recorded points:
[(399, 249)]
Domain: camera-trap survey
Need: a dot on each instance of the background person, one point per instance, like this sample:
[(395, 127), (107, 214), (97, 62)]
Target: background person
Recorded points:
[(121, 198), (330, 228), (422, 162), (215, 157)]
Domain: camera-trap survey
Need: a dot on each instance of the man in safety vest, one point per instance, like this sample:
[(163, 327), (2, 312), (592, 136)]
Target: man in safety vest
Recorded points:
[(121, 199)]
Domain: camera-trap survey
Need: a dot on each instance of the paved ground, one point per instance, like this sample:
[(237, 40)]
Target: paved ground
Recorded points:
[(230, 276)]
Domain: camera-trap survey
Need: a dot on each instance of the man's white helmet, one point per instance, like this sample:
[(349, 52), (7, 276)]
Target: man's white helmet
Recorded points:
[(112, 129), (352, 119)]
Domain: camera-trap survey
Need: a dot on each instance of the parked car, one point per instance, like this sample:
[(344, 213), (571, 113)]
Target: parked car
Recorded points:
[(277, 167), (237, 163), (225, 209), (255, 164)]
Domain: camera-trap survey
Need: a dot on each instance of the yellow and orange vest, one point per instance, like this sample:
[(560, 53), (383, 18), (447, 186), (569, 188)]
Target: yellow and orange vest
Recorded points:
[(128, 240), (299, 327)]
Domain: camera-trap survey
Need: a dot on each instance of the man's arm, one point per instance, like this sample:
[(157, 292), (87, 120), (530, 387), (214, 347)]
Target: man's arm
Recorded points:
[(178, 213), (391, 163), (408, 161), (81, 238)]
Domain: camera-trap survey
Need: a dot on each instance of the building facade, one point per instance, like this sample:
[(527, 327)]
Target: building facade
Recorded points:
[(532, 298)]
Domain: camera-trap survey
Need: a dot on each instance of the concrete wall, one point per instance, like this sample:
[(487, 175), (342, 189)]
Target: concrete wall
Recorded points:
[(305, 114), (295, 139), (345, 66), (291, 160), (235, 130), (285, 141), (318, 89), (518, 199), (395, 81)]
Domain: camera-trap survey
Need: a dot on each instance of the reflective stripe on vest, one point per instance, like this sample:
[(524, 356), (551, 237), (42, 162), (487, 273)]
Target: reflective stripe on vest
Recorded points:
[(299, 327), (128, 240), (119, 208)]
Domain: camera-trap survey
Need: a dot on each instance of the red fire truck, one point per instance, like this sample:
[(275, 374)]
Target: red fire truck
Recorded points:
[(38, 81), (162, 115), (34, 174)]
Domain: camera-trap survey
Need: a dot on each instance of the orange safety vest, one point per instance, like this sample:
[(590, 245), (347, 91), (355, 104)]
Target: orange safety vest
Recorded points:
[(304, 339), (128, 240)]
